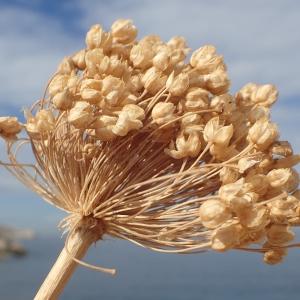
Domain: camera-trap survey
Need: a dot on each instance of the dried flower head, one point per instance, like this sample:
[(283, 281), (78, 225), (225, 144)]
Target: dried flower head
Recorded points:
[(135, 141)]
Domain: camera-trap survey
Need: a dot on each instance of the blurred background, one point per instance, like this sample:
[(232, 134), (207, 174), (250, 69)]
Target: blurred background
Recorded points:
[(260, 44)]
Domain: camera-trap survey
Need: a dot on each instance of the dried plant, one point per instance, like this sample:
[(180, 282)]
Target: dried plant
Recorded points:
[(134, 141)]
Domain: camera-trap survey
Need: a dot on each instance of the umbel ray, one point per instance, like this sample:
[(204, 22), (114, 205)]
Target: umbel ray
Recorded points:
[(136, 140)]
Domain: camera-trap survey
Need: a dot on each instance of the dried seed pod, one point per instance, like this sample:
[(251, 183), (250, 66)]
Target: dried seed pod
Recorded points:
[(79, 59), (205, 59), (274, 256), (9, 127), (186, 145), (163, 112), (244, 95), (279, 234), (228, 175), (227, 236), (41, 124), (177, 42), (113, 89), (246, 163), (141, 57), (217, 82), (282, 148), (231, 190), (58, 84), (264, 95), (161, 60), (255, 218), (263, 133), (81, 115), (103, 127), (214, 213), (66, 66), (123, 31), (177, 85), (217, 134), (153, 80), (63, 100), (98, 38), (196, 99)]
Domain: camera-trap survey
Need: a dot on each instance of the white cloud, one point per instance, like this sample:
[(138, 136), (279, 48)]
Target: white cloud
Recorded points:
[(31, 46)]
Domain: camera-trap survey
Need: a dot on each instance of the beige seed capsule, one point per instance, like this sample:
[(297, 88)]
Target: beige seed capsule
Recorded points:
[(81, 115), (9, 127), (274, 256), (66, 66), (196, 99), (163, 112), (186, 145), (216, 133), (58, 84), (79, 59), (63, 100), (279, 234), (227, 236), (177, 85), (282, 148), (205, 59), (96, 37), (214, 213), (263, 133), (265, 95), (228, 175), (141, 57), (123, 31), (161, 60), (217, 82)]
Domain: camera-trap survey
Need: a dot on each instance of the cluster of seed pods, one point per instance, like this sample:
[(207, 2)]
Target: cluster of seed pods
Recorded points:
[(118, 86)]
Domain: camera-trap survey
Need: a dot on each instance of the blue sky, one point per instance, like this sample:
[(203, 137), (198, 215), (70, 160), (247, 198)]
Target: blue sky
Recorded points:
[(258, 39)]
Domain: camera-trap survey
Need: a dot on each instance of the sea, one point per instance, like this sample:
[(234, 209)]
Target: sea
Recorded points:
[(143, 274)]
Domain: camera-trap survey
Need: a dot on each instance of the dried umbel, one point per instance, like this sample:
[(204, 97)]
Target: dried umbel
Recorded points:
[(135, 142)]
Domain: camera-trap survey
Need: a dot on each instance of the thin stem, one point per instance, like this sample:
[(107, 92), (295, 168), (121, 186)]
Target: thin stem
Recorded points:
[(76, 247)]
